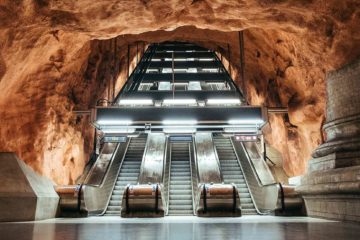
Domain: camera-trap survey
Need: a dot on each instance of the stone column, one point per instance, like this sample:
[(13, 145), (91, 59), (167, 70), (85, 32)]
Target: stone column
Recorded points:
[(331, 187)]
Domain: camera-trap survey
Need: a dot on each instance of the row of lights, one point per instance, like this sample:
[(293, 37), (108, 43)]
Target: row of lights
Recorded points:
[(182, 122), (149, 102), (183, 59), (182, 126)]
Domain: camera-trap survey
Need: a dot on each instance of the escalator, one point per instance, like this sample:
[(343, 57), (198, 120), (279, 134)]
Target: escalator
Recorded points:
[(128, 174), (180, 186), (232, 173)]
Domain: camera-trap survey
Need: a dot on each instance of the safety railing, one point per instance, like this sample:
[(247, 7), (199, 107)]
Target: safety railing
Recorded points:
[(265, 197)]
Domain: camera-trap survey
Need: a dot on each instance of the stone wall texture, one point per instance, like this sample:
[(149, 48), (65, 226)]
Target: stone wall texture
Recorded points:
[(59, 56)]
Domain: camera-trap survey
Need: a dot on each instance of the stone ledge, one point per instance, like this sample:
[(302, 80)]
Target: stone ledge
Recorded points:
[(347, 174), (338, 207), (334, 160)]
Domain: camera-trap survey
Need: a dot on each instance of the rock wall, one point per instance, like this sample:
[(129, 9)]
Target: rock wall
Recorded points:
[(57, 56)]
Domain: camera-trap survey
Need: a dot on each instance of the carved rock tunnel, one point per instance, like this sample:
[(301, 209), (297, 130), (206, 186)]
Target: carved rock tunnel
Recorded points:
[(55, 59)]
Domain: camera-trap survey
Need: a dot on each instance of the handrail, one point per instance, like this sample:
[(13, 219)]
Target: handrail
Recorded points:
[(191, 174), (116, 175), (194, 172), (96, 198), (143, 157), (264, 197), (91, 171), (255, 169), (165, 159), (169, 176), (217, 157)]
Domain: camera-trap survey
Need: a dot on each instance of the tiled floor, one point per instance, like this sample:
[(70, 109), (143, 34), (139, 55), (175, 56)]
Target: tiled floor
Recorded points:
[(182, 228)]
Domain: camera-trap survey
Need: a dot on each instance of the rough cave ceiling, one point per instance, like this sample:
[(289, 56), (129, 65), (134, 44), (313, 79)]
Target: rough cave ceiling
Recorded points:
[(57, 56)]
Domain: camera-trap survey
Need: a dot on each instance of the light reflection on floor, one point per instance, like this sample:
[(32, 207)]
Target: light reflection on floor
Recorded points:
[(182, 228)]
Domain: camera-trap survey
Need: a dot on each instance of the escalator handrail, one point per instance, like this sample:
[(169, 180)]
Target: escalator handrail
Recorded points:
[(256, 177), (217, 158), (169, 178), (254, 169), (116, 176), (191, 176), (106, 171)]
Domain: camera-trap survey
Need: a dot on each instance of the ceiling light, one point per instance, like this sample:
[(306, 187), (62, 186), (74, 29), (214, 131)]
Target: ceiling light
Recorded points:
[(136, 102), (245, 121), (179, 130), (114, 122), (120, 130), (239, 130), (223, 101), (179, 122), (179, 101), (206, 59)]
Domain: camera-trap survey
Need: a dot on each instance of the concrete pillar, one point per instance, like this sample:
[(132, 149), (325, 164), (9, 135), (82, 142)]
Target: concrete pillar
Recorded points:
[(331, 187), (24, 195)]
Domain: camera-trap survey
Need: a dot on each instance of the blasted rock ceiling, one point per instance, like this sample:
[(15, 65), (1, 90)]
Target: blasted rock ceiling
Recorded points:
[(57, 56)]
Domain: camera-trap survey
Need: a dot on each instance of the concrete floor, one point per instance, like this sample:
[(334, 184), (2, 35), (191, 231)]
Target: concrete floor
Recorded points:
[(182, 228)]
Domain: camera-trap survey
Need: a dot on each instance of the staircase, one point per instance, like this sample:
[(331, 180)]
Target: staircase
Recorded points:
[(232, 173), (180, 198), (128, 174)]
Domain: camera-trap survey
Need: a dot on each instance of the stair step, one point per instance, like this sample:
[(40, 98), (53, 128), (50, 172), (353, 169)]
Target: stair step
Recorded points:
[(181, 202), (180, 213)]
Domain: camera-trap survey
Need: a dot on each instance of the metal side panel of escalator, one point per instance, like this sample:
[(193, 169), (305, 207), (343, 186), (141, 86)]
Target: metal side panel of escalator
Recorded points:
[(128, 174)]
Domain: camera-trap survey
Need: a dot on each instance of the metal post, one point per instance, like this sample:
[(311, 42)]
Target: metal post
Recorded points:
[(242, 62), (263, 144), (128, 61), (229, 58), (137, 53), (115, 69), (173, 75)]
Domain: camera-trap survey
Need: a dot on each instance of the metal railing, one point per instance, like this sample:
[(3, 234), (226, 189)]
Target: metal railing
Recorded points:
[(264, 196), (95, 199)]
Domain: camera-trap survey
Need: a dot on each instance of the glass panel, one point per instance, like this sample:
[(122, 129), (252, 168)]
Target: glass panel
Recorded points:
[(145, 87), (194, 86), (164, 86)]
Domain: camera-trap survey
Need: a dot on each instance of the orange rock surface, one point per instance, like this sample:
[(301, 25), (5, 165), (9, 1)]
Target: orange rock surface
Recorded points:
[(60, 56)]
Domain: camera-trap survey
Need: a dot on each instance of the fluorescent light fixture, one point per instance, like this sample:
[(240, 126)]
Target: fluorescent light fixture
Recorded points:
[(191, 70), (214, 101), (136, 102), (245, 121), (239, 130), (206, 59), (152, 70), (213, 70), (114, 122), (156, 60), (179, 101), (179, 130), (166, 70), (120, 130), (179, 122), (180, 70)]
